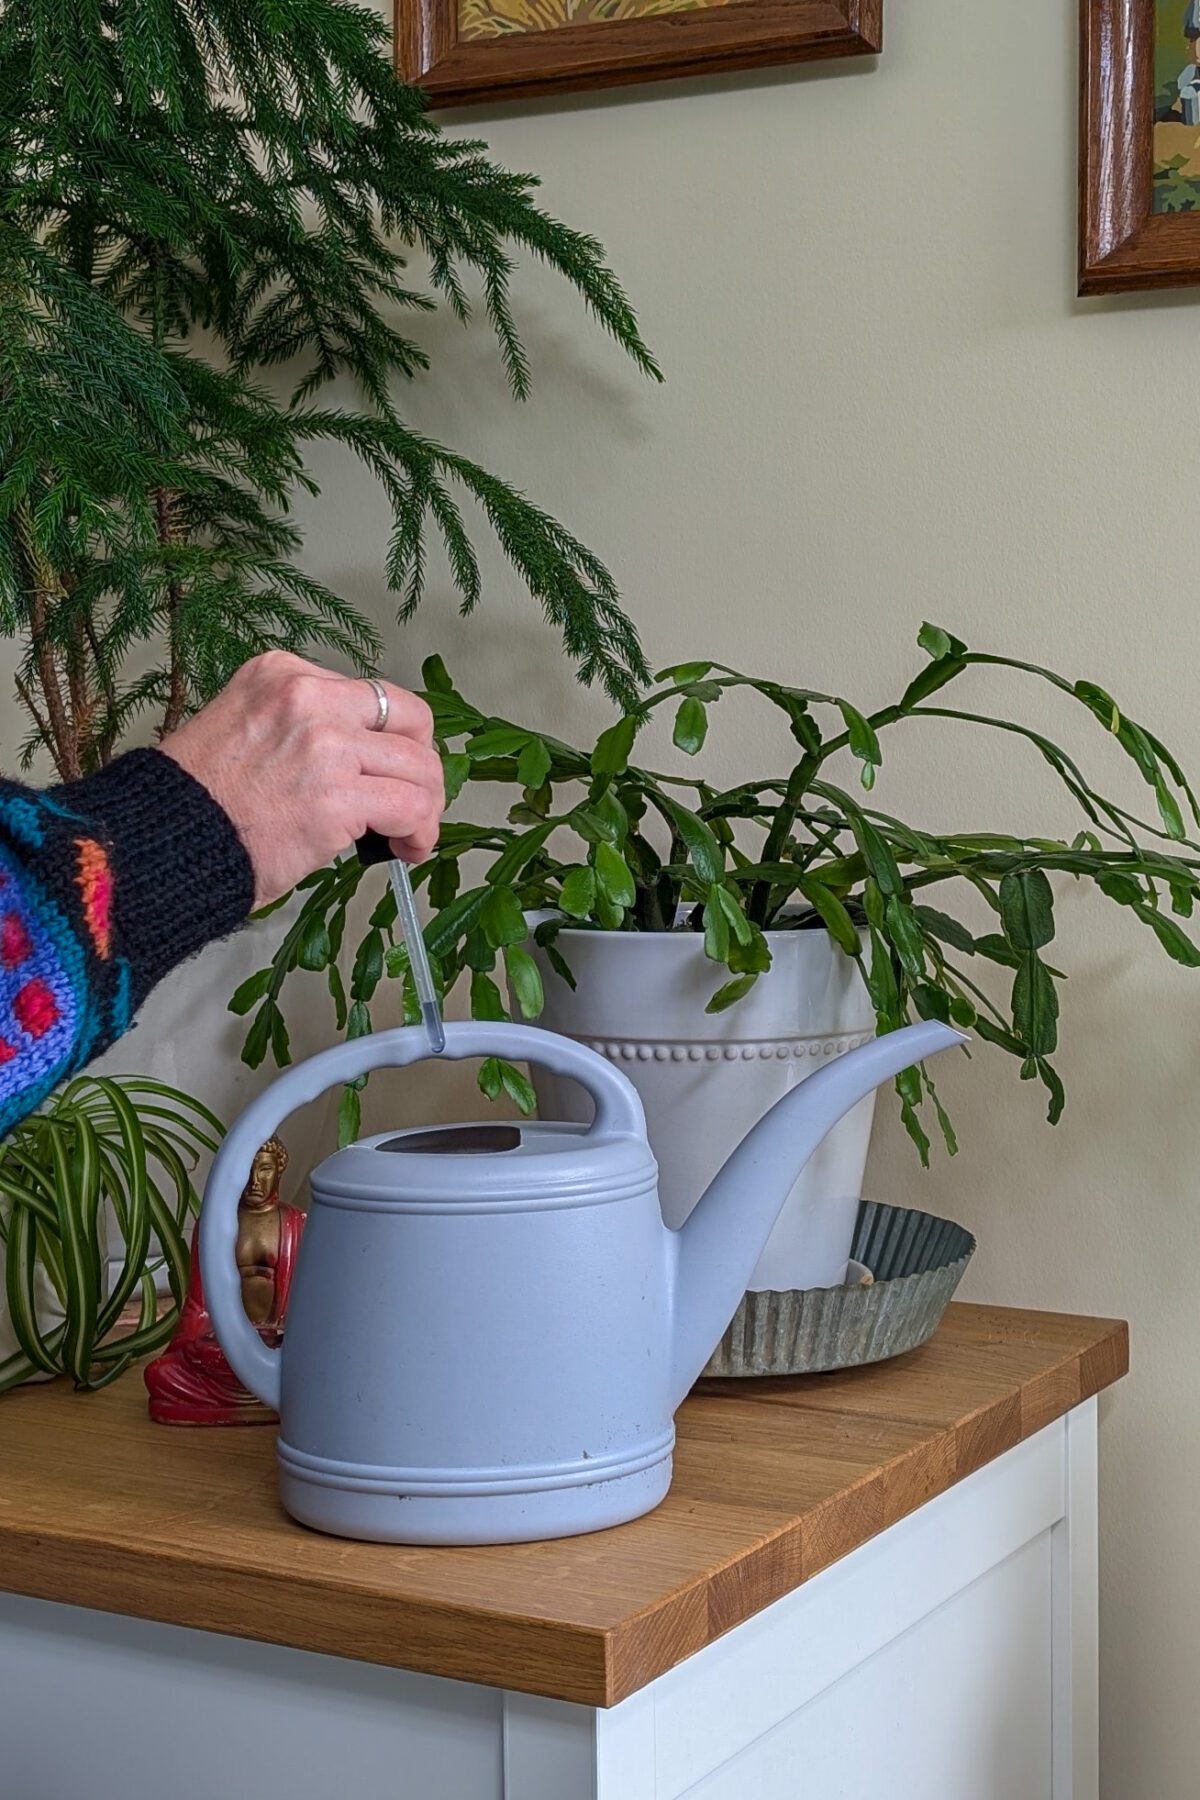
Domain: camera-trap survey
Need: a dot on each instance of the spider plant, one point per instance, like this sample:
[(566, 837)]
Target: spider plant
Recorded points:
[(101, 1151)]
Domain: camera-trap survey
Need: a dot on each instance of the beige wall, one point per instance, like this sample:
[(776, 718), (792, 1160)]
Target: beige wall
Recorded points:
[(883, 405)]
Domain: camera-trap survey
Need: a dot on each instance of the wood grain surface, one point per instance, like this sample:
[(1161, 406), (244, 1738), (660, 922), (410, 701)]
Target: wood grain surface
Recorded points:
[(774, 1481)]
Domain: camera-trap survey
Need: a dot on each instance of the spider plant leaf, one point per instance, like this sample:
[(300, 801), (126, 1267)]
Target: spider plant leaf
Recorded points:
[(183, 1109), (20, 1292), (15, 1370), (49, 1253), (118, 1344), (25, 1162), (150, 1122), (22, 1194), (187, 1200), (133, 1224), (153, 1328), (81, 1261), (104, 1373), (132, 1138), (175, 1249)]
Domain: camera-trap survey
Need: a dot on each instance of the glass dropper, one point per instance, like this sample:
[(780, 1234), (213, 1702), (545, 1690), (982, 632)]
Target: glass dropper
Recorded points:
[(418, 956)]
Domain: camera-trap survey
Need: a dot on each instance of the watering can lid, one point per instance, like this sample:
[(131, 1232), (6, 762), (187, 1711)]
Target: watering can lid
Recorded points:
[(499, 1160)]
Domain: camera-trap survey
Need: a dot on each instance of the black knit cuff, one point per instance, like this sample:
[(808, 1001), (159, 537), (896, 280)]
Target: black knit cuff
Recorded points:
[(182, 875)]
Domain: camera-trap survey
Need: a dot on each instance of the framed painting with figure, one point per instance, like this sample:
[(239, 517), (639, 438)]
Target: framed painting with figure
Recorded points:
[(465, 50), (1139, 145)]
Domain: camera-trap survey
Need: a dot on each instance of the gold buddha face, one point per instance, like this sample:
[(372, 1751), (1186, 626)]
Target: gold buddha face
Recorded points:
[(270, 1160)]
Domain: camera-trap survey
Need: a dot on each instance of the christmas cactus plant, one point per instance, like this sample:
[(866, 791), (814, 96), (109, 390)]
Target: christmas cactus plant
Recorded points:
[(596, 840)]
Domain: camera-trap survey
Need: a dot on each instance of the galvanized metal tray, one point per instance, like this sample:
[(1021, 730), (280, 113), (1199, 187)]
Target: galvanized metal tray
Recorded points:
[(917, 1261)]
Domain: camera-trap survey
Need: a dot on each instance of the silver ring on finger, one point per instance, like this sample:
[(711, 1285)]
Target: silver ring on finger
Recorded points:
[(381, 696)]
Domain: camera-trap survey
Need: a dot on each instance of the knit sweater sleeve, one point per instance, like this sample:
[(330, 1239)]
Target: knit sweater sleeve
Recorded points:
[(105, 885)]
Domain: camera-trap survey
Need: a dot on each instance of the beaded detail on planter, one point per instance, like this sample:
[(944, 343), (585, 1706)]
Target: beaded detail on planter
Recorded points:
[(766, 1050)]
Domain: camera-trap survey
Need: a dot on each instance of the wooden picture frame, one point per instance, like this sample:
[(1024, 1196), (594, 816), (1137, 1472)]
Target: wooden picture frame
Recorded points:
[(454, 67), (1126, 243)]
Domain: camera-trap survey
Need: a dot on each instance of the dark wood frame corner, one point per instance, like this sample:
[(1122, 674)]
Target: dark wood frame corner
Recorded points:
[(1123, 245), (612, 53)]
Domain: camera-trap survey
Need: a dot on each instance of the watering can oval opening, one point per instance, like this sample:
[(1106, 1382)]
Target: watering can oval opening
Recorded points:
[(478, 1142), (455, 1140)]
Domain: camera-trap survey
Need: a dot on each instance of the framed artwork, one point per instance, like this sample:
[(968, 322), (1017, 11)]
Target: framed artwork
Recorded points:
[(463, 50), (1139, 144)]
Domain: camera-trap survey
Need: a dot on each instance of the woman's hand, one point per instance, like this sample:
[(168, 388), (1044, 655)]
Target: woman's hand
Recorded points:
[(288, 751)]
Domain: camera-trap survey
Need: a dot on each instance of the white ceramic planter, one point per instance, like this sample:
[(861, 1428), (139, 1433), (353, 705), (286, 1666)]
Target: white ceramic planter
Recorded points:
[(705, 1079), (50, 1314)]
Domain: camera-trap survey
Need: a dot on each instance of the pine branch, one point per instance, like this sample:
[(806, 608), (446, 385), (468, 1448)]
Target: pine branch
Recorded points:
[(30, 704), (189, 198), (106, 734)]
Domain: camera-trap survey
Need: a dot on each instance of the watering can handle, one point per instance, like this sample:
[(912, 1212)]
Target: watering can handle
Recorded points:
[(618, 1114)]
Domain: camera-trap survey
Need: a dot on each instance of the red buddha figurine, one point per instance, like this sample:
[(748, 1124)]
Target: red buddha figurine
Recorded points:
[(191, 1383)]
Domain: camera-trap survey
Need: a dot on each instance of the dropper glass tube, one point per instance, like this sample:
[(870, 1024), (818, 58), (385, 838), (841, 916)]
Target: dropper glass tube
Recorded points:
[(418, 956)]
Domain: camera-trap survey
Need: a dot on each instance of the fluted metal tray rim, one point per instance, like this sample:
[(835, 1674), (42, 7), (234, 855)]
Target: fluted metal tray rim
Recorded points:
[(918, 1260)]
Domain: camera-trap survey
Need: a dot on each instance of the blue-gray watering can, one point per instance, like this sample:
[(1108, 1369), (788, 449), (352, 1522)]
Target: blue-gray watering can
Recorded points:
[(490, 1328)]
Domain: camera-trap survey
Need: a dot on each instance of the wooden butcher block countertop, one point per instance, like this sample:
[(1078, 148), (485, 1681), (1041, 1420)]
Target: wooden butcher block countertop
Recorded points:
[(774, 1481)]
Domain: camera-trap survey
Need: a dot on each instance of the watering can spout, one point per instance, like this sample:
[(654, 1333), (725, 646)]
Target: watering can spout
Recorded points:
[(723, 1239)]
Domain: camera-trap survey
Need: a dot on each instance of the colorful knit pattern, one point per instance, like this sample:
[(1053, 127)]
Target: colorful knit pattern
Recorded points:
[(105, 885), (44, 993), (54, 996), (94, 880)]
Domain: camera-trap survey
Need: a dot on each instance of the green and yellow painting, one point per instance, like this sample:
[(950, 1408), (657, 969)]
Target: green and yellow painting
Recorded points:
[(515, 18), (1177, 106)]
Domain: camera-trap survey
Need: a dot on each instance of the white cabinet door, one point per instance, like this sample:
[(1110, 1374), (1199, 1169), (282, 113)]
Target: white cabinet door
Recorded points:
[(958, 1708), (97, 1707)]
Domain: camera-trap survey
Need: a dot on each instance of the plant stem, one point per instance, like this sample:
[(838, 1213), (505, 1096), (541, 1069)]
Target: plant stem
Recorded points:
[(63, 747), (79, 689), (777, 837), (59, 738), (107, 738), (25, 693), (177, 686)]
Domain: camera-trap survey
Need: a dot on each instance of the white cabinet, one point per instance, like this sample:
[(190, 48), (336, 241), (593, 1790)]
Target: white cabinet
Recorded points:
[(953, 1657)]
